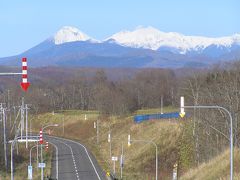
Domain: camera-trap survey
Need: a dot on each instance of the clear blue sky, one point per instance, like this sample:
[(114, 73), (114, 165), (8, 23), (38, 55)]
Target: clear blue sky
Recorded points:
[(25, 23)]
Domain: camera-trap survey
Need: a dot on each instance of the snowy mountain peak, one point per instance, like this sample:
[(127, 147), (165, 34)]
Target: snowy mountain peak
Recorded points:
[(152, 38), (69, 34)]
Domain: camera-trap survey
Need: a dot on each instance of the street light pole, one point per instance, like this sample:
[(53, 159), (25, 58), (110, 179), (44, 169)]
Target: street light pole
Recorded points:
[(231, 131), (30, 154), (50, 125), (153, 143)]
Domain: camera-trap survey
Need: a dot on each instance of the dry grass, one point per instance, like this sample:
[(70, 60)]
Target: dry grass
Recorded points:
[(217, 168)]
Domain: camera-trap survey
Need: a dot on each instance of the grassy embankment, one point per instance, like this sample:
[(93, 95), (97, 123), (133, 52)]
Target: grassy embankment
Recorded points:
[(218, 168)]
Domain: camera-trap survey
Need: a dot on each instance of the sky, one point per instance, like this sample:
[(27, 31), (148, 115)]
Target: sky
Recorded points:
[(26, 23)]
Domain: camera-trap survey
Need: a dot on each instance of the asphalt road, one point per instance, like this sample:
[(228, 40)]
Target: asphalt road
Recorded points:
[(74, 161)]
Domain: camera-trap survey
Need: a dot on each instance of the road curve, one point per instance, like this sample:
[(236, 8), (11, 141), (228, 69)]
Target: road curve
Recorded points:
[(75, 162)]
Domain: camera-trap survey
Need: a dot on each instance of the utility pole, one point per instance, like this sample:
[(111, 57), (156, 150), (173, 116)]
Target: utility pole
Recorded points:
[(26, 108), (22, 117), (4, 135), (161, 105), (63, 125), (37, 156), (97, 131)]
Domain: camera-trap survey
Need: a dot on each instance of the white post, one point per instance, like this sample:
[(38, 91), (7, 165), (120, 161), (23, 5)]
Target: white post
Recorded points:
[(182, 112), (129, 140), (110, 144)]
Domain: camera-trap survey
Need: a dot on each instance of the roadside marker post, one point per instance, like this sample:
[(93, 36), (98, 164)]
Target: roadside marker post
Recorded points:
[(46, 146), (182, 112), (129, 140), (40, 137)]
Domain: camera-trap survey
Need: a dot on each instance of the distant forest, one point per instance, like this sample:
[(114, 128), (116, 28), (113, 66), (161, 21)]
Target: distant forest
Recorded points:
[(110, 91)]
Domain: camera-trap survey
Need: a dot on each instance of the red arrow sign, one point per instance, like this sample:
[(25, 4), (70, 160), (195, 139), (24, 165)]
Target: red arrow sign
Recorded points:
[(25, 85)]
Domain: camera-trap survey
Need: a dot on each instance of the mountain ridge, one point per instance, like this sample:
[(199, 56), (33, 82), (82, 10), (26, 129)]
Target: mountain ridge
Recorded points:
[(71, 47)]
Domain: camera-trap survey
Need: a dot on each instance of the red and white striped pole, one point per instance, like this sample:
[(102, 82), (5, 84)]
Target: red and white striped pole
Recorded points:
[(40, 137), (46, 145), (25, 84)]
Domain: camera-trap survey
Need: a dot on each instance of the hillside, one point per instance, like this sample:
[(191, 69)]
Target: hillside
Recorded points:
[(139, 157)]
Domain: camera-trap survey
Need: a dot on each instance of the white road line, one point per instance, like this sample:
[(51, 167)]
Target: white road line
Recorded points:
[(56, 159), (86, 153), (74, 164)]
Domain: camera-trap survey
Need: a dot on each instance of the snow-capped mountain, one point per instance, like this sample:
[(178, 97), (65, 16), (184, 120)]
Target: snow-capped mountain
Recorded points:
[(69, 34), (143, 47), (151, 38)]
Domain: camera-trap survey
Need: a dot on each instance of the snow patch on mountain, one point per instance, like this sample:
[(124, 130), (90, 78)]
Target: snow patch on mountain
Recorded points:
[(69, 34), (151, 38)]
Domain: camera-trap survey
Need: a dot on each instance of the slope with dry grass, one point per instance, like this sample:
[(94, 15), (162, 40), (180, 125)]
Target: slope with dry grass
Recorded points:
[(217, 169)]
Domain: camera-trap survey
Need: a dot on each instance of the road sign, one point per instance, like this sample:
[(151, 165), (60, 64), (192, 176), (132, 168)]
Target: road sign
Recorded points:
[(29, 172), (25, 84), (41, 165), (114, 158)]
